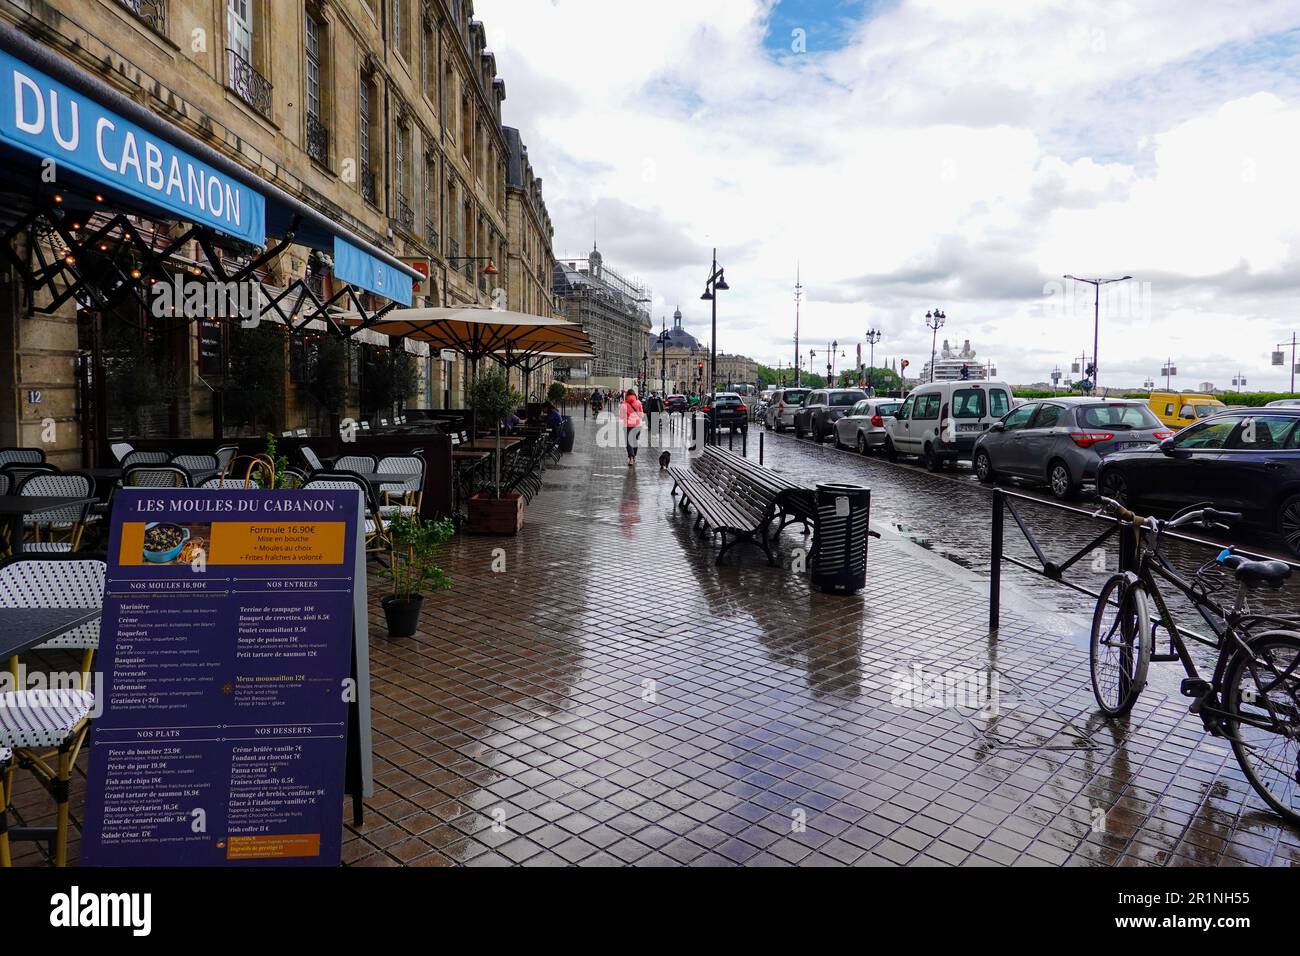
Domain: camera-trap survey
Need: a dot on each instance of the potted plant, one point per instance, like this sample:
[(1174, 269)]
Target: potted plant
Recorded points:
[(492, 398), (417, 543)]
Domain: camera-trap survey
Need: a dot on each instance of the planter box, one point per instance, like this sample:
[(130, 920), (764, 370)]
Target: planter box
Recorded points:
[(491, 515)]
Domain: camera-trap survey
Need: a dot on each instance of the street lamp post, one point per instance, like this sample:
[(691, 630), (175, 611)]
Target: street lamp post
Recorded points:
[(873, 336), (934, 322), (663, 357), (1096, 320), (717, 282), (798, 298), (1169, 371), (830, 364), (1279, 357)]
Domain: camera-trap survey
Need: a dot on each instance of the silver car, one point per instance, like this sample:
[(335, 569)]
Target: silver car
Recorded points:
[(785, 403), (863, 428), (1061, 441)]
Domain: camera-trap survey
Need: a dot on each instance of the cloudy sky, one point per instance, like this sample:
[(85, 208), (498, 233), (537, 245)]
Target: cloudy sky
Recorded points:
[(910, 154)]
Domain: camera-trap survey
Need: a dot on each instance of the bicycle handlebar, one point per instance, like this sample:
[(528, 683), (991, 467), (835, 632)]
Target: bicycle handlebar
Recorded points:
[(1206, 517)]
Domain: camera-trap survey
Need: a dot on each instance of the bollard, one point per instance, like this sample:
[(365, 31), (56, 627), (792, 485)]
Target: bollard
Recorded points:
[(995, 566), (760, 448), (744, 443), (731, 439)]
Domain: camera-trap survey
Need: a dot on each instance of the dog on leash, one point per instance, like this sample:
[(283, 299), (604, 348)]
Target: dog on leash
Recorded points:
[(664, 460)]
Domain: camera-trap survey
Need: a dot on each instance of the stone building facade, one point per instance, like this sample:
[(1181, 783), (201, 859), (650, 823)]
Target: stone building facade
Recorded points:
[(612, 308), (383, 116), (680, 360)]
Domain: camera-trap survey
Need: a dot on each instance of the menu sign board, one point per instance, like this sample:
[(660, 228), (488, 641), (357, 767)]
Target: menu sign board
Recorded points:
[(210, 348), (227, 657)]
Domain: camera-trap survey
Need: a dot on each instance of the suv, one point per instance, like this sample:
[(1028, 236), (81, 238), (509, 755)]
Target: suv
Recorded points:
[(783, 406), (1246, 460), (1062, 441), (825, 407), (730, 410), (940, 421)]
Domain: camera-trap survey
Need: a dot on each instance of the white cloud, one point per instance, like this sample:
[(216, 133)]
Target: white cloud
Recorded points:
[(957, 154)]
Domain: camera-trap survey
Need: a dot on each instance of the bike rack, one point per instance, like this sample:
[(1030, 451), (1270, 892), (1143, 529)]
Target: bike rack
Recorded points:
[(1003, 502)]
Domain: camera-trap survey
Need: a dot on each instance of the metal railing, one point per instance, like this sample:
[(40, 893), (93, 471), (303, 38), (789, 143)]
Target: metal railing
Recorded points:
[(318, 139), (405, 214), (453, 250), (152, 12), (249, 85), (369, 192), (431, 231), (1004, 503)]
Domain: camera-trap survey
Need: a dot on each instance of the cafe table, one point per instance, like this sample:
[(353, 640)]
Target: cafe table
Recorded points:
[(23, 628), (17, 507)]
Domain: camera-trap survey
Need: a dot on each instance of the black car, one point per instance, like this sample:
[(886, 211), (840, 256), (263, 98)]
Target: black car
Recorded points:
[(1245, 460), (676, 404), (823, 408), (731, 412)]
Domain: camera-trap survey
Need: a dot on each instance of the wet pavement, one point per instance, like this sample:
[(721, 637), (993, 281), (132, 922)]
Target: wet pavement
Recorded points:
[(596, 691)]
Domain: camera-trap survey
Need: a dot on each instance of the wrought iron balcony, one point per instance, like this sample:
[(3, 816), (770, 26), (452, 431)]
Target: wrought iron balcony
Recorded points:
[(469, 269), (453, 250), (152, 12), (367, 185), (431, 231), (405, 214), (249, 85), (318, 140)]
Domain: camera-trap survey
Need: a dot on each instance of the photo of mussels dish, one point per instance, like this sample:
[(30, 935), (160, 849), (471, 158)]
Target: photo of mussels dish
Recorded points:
[(164, 542)]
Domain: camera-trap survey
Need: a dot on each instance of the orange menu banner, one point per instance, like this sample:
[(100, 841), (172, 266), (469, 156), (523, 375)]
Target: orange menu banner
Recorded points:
[(253, 542), (272, 847)]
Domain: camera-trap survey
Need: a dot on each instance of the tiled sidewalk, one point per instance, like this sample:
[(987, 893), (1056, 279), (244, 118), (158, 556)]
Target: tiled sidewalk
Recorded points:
[(612, 697)]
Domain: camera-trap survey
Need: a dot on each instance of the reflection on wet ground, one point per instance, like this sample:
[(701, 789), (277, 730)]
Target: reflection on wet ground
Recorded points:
[(610, 696)]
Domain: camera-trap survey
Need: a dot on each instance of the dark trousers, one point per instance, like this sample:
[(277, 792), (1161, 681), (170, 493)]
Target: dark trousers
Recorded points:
[(631, 440)]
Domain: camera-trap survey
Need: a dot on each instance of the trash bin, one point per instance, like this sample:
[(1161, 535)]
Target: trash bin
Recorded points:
[(566, 436), (839, 557)]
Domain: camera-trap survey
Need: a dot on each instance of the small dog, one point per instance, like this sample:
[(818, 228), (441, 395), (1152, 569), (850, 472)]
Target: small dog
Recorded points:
[(664, 460)]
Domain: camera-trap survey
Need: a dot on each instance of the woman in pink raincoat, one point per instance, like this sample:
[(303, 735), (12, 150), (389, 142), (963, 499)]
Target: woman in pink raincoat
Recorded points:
[(632, 417)]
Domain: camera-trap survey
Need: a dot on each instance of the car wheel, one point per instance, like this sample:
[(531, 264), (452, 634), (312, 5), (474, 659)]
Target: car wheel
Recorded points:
[(862, 444), (930, 460), (1114, 485), (1060, 481), (1289, 523), (984, 468), (891, 452)]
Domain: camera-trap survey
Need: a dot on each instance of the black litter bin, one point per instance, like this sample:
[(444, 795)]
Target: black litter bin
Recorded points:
[(566, 436), (839, 557)]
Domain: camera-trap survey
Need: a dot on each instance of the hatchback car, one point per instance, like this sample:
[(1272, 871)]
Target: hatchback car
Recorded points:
[(676, 403), (783, 406), (822, 409), (863, 428), (1062, 441), (1246, 461), (731, 412)]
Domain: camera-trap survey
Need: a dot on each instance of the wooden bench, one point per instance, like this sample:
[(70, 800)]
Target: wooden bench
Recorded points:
[(795, 502), (728, 499)]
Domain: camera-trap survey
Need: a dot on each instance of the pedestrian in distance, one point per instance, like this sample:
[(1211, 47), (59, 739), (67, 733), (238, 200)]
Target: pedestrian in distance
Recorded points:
[(632, 415)]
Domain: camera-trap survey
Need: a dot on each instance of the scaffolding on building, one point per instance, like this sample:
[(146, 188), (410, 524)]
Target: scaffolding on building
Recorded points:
[(612, 308)]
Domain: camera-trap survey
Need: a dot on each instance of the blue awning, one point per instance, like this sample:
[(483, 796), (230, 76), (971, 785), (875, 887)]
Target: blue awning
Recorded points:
[(362, 269)]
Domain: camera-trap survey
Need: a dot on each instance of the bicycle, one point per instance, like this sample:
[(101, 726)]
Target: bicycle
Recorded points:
[(1253, 698)]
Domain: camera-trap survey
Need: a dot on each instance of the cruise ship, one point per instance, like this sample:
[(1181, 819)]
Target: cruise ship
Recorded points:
[(950, 362)]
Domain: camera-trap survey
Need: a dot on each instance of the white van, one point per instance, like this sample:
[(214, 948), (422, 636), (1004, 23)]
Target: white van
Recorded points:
[(940, 421)]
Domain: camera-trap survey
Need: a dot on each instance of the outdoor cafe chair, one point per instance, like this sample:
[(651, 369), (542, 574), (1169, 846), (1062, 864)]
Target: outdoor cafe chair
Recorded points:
[(195, 463), (408, 491), (25, 456), (5, 756), (18, 473), (120, 450), (311, 458), (225, 455), (145, 458), (45, 729), (377, 537), (63, 526), (151, 476), (4, 483), (362, 463)]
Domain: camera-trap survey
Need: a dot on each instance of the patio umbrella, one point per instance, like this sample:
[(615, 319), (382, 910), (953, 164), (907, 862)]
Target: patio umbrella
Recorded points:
[(509, 337), (538, 360)]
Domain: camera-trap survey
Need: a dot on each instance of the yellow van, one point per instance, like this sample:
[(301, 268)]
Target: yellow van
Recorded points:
[(1180, 409)]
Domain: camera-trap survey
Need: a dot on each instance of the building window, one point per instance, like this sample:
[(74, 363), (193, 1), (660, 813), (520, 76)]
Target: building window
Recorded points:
[(401, 176), (152, 12), (318, 137), (397, 24), (242, 76), (466, 131), (366, 175), (431, 202)]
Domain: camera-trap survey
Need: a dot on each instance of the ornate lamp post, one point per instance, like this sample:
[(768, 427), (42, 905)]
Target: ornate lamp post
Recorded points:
[(934, 322), (717, 282), (873, 336), (1096, 320)]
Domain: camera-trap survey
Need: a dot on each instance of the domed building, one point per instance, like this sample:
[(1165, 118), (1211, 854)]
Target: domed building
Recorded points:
[(680, 362)]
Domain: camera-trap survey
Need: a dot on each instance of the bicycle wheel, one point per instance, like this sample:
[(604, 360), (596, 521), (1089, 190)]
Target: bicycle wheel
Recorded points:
[(1265, 684), (1120, 648)]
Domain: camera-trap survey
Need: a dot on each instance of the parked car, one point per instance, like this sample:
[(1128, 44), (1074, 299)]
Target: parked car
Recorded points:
[(1178, 409), (1246, 461), (822, 409), (731, 412), (1062, 441), (863, 427), (785, 403), (1284, 403), (676, 403), (940, 421)]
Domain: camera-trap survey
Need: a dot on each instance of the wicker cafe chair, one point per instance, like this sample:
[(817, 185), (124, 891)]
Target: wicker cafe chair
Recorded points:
[(120, 450), (195, 463), (25, 456), (19, 472), (59, 530), (225, 455), (145, 458), (45, 729), (150, 476), (362, 463), (408, 492), (378, 539)]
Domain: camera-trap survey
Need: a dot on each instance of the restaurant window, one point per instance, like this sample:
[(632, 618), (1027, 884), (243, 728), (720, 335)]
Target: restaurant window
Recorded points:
[(317, 131)]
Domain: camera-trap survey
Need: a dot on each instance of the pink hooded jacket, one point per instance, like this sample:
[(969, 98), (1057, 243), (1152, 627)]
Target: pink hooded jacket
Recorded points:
[(632, 411)]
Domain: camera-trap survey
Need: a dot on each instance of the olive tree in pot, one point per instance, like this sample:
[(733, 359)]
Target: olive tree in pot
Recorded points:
[(417, 545), (493, 398)]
